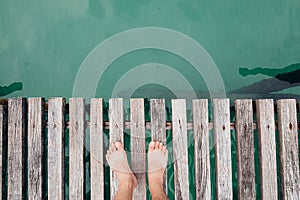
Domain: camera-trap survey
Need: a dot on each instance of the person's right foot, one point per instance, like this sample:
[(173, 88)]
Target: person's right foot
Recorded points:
[(157, 162)]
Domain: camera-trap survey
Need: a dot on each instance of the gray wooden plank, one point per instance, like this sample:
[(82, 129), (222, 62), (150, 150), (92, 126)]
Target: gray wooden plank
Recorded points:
[(245, 149), (267, 148), (16, 148), (201, 149), (96, 149), (288, 143), (158, 120), (56, 125), (35, 147), (222, 148), (116, 125), (3, 148), (76, 148), (180, 148), (137, 143), (158, 126), (2, 155)]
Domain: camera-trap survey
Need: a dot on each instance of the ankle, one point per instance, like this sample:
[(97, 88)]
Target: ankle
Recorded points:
[(154, 184), (127, 184)]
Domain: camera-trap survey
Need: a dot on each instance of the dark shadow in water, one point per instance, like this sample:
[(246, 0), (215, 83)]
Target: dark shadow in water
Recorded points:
[(5, 90), (284, 78)]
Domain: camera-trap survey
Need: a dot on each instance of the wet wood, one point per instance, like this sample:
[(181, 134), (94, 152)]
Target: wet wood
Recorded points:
[(201, 149), (288, 143), (222, 148), (36, 131), (137, 144), (245, 149), (180, 148), (96, 149), (76, 145), (16, 148), (267, 148), (116, 124), (56, 126), (158, 126)]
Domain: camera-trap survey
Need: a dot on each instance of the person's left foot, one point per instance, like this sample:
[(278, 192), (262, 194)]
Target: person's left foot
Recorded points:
[(117, 160)]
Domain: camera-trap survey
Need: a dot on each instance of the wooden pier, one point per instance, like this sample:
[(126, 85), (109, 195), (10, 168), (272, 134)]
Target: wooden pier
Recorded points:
[(32, 146)]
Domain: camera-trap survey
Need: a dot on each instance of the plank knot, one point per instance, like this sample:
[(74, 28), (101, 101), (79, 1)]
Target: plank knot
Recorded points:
[(291, 126)]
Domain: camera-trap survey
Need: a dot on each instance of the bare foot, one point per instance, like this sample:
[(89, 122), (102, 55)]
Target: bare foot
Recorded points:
[(157, 162), (117, 160)]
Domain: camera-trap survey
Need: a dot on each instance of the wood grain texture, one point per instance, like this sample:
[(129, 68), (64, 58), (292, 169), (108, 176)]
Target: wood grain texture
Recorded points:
[(267, 148), (116, 124), (201, 149), (222, 148), (137, 144), (96, 149), (16, 148), (245, 149), (56, 126), (76, 148), (3, 149), (158, 120), (35, 147), (158, 126), (288, 146), (2, 155), (180, 148)]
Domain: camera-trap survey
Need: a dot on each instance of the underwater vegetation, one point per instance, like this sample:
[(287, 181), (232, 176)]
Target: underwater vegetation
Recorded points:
[(6, 90)]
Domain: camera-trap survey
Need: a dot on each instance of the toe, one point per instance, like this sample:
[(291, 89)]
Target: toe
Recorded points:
[(160, 146), (113, 147), (118, 145), (156, 145), (164, 149), (151, 146)]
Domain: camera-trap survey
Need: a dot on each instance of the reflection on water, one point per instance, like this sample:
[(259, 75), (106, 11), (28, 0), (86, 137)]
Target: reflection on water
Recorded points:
[(281, 79), (6, 90)]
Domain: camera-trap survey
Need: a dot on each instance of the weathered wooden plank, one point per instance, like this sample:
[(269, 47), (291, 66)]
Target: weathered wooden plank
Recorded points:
[(245, 149), (267, 148), (137, 143), (288, 143), (158, 120), (180, 155), (201, 149), (35, 147), (96, 149), (16, 148), (222, 148), (158, 126), (3, 148), (76, 148), (56, 125), (116, 125), (2, 155)]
